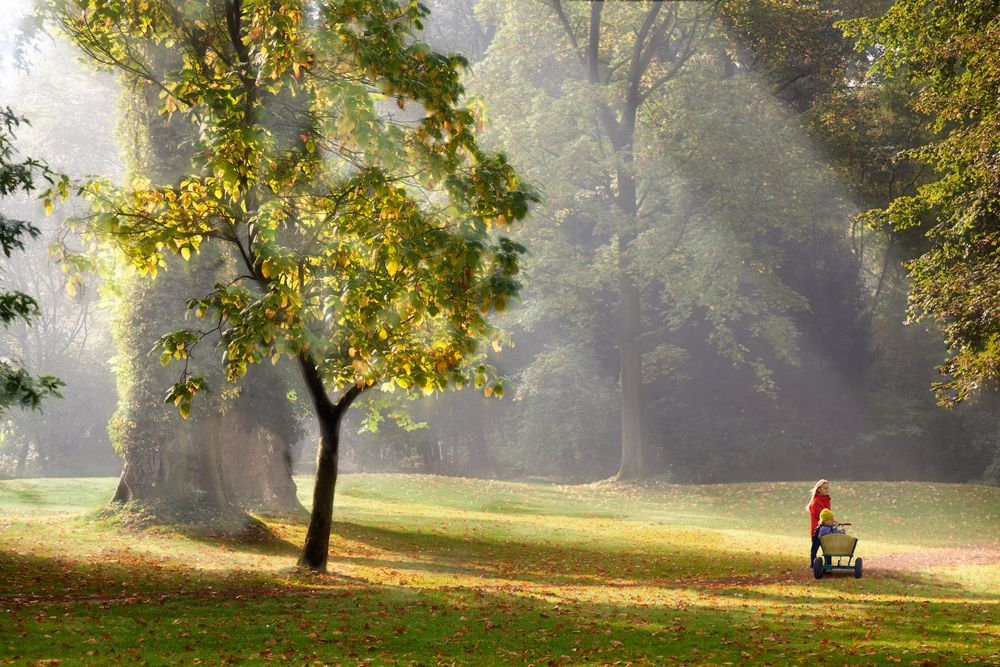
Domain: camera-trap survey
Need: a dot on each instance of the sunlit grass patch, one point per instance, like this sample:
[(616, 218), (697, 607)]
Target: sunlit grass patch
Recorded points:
[(440, 570), (56, 495)]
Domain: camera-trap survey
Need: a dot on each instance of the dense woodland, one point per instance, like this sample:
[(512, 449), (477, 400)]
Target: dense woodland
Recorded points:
[(754, 240)]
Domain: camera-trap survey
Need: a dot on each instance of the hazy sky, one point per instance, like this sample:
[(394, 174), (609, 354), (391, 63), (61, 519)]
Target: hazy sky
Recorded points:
[(11, 12)]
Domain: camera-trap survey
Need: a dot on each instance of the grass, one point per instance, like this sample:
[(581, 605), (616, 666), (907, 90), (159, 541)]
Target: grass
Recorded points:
[(433, 570)]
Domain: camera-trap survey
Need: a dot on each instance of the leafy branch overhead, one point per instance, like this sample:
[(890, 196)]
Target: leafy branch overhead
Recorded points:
[(951, 51), (333, 157), (17, 386)]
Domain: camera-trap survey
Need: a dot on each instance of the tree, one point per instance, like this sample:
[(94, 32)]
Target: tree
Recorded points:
[(635, 71), (178, 468), (636, 258), (17, 386), (951, 51), (367, 239)]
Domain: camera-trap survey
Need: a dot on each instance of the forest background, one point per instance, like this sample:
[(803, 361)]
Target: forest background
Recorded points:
[(729, 319)]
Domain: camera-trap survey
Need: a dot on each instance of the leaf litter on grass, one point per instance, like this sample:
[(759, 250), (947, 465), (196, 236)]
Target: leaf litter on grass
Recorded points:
[(654, 578)]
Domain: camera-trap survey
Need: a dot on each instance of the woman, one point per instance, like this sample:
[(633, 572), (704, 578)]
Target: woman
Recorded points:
[(819, 501)]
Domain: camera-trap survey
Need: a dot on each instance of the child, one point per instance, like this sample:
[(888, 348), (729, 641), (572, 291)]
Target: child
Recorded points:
[(827, 525), (819, 500)]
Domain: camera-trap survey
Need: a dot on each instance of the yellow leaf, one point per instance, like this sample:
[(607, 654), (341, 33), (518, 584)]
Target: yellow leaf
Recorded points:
[(383, 334), (497, 347), (392, 266), (186, 252), (488, 391)]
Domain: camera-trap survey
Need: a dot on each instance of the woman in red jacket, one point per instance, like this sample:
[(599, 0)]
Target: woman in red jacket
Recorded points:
[(819, 501)]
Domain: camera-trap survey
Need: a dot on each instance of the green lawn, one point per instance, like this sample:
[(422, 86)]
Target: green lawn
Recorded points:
[(433, 570)]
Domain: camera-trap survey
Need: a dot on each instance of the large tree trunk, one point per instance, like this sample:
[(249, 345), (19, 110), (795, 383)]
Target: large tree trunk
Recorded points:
[(228, 456), (180, 475), (259, 432), (263, 478), (220, 465), (225, 457)]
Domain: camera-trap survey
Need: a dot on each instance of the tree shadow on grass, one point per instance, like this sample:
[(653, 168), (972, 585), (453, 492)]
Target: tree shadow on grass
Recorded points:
[(414, 566), (263, 542), (387, 624), (843, 592), (236, 530), (125, 574), (548, 563)]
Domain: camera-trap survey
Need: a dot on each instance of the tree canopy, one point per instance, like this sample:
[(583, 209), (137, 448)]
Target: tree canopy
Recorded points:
[(951, 51), (335, 160)]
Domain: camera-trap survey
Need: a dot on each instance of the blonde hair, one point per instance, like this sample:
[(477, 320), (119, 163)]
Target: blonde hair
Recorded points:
[(812, 494)]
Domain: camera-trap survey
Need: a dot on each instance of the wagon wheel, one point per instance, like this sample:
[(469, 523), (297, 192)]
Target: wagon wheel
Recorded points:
[(818, 567), (857, 568)]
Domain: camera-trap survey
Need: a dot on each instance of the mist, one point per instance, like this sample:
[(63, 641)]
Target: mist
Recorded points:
[(499, 332), (764, 336)]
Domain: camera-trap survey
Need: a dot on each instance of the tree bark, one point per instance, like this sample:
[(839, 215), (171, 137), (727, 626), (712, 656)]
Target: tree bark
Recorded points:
[(633, 461), (259, 432), (223, 458), (22, 458), (263, 478), (229, 455), (316, 550), (633, 458)]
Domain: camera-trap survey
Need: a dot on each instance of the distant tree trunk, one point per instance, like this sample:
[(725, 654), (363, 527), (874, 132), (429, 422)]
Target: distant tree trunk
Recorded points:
[(22, 458), (481, 458), (429, 451), (620, 128), (666, 38), (316, 550), (633, 459)]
